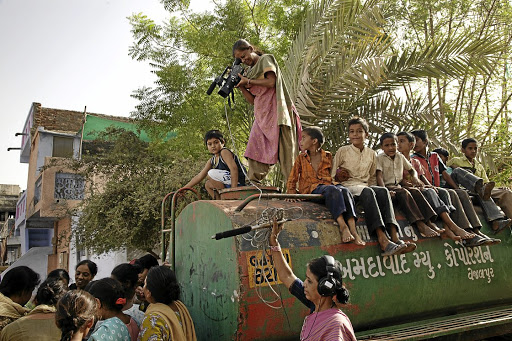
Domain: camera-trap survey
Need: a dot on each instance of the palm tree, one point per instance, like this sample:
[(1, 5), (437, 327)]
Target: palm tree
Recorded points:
[(343, 62)]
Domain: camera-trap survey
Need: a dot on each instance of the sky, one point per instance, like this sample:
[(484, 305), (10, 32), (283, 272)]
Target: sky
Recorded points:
[(67, 54)]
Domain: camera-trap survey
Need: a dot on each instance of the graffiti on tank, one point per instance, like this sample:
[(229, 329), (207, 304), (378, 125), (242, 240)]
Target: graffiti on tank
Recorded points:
[(260, 269), (467, 255)]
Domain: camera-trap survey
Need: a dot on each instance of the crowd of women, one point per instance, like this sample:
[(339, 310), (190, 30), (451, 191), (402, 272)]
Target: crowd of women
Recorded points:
[(139, 301)]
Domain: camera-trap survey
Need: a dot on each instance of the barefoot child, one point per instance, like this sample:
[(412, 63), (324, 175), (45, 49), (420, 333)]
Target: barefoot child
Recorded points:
[(464, 215), (470, 173), (312, 172), (406, 143), (223, 170), (390, 170), (359, 163)]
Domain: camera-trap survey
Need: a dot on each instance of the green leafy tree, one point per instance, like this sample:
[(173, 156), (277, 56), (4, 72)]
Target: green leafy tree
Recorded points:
[(401, 64), (191, 49), (128, 179), (360, 61)]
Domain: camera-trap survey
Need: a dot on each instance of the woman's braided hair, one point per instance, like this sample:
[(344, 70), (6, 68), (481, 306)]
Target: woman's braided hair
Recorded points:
[(74, 309), (50, 291)]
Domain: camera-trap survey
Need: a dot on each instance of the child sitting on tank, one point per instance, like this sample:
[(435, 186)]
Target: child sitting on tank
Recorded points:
[(223, 170), (464, 215), (391, 165), (470, 174), (312, 173), (356, 165), (444, 155), (406, 143)]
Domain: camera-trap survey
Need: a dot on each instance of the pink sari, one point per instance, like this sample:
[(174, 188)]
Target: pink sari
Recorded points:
[(328, 325), (264, 138), (273, 109)]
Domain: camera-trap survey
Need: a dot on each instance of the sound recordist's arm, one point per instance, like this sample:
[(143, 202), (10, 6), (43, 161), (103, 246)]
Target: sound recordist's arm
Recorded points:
[(284, 271)]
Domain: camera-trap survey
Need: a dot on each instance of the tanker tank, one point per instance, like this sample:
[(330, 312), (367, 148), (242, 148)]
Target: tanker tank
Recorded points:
[(233, 292)]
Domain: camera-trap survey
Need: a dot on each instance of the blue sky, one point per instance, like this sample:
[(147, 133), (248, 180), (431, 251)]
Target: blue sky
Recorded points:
[(67, 54)]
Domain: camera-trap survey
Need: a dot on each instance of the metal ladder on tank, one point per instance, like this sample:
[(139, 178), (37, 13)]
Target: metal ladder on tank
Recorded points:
[(172, 231)]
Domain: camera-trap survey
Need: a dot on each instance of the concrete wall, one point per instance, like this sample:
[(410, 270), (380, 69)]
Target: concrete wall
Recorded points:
[(60, 241), (41, 155), (46, 147), (11, 190), (8, 198), (43, 124), (48, 206)]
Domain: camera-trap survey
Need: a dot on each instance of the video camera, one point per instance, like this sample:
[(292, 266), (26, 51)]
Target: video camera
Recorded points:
[(227, 83)]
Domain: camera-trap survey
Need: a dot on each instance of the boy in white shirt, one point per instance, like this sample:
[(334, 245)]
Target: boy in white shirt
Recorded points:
[(355, 167)]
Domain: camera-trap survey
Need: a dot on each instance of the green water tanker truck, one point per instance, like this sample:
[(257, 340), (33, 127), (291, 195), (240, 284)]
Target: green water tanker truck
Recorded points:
[(441, 290)]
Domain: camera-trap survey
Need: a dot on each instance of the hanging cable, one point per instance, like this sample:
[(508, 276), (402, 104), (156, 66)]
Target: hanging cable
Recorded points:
[(259, 240), (236, 153)]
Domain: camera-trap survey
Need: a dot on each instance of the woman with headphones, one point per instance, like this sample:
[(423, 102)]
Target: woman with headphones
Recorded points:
[(321, 292)]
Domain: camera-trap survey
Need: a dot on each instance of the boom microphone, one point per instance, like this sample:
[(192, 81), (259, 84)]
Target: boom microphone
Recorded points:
[(245, 229)]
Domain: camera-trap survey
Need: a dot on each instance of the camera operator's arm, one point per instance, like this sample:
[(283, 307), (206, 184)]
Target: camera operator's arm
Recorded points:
[(248, 96), (269, 81)]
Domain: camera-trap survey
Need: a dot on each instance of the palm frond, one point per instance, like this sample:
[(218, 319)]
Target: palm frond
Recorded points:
[(342, 58)]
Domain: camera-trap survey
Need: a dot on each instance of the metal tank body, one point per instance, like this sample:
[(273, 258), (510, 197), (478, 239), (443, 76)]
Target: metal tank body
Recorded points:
[(222, 280)]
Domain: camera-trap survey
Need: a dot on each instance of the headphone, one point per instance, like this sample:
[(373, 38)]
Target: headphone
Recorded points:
[(327, 285)]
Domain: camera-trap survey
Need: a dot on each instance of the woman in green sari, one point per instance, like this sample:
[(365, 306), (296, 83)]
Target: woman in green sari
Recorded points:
[(276, 129)]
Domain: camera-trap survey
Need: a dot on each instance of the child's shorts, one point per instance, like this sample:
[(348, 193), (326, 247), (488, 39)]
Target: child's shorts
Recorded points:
[(223, 176)]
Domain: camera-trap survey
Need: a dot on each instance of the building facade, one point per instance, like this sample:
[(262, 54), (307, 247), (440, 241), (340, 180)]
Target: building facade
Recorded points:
[(10, 239), (47, 211)]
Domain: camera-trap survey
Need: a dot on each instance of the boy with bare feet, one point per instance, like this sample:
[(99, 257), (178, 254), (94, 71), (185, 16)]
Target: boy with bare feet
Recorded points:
[(470, 173), (359, 163), (391, 166), (312, 172), (223, 170), (406, 143), (464, 215)]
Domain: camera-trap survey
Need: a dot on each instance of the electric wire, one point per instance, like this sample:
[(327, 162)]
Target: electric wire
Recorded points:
[(236, 153)]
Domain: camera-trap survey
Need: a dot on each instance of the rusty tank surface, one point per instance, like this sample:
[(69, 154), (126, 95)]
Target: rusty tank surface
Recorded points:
[(233, 292)]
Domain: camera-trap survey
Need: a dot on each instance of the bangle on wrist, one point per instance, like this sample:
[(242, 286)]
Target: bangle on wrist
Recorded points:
[(276, 248), (248, 81)]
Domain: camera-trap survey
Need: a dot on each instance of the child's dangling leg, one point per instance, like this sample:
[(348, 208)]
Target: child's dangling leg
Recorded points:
[(352, 226), (350, 214), (346, 235)]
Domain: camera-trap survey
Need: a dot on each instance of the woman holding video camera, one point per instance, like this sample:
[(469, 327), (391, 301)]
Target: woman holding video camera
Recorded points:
[(322, 292), (276, 129)]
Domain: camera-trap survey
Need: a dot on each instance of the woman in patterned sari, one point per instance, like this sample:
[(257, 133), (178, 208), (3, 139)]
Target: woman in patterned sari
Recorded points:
[(166, 318), (276, 129)]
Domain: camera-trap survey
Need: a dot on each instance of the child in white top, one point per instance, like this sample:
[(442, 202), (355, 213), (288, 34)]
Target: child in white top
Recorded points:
[(356, 167)]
